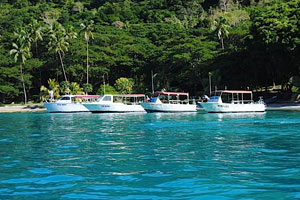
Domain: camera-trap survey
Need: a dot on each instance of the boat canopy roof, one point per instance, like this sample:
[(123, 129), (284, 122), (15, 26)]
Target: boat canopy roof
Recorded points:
[(234, 91), (128, 95), (170, 93)]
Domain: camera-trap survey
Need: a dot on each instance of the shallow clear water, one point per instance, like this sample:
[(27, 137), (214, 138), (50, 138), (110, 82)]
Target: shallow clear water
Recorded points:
[(150, 156)]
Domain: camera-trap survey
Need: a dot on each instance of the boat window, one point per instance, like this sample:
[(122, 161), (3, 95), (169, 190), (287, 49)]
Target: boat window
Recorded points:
[(247, 98), (183, 97), (117, 99), (226, 97), (163, 98), (65, 98), (235, 98), (107, 98)]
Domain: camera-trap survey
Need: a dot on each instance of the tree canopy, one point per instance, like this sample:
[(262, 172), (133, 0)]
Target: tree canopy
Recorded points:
[(242, 44)]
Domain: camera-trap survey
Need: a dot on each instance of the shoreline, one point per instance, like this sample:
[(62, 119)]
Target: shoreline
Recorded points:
[(283, 106), (20, 109)]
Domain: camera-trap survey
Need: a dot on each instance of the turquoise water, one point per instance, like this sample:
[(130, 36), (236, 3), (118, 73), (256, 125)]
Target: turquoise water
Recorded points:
[(150, 156)]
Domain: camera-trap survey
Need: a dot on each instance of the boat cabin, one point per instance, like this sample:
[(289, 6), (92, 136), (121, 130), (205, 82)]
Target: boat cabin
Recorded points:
[(232, 97), (129, 99), (170, 97), (77, 98)]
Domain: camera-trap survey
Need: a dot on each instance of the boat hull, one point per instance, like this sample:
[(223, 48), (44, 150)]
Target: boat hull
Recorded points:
[(65, 107), (114, 107), (232, 108), (155, 107)]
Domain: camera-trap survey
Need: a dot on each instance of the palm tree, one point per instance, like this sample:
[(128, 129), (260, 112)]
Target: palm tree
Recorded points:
[(87, 28), (21, 51), (59, 42), (22, 36), (36, 34), (220, 26), (75, 88)]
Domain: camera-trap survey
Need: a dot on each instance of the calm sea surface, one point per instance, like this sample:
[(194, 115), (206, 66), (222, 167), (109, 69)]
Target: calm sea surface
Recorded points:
[(150, 156)]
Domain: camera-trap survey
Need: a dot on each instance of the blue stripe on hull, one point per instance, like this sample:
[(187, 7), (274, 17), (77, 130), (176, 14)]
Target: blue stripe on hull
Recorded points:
[(152, 111)]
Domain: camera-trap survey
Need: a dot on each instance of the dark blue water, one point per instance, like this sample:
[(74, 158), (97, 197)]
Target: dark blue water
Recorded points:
[(150, 156)]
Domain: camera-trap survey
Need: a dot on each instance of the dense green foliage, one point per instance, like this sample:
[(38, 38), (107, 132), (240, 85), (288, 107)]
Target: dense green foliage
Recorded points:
[(242, 44)]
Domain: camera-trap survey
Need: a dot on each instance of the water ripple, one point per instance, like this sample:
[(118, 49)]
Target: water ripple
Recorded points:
[(150, 156)]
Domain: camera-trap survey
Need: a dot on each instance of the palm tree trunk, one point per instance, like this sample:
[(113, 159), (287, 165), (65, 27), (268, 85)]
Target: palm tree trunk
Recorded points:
[(87, 62), (222, 42), (40, 71), (62, 66), (36, 50), (23, 83)]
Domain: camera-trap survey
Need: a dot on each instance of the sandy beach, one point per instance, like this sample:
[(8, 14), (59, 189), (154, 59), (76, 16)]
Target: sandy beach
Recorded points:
[(25, 108), (284, 106)]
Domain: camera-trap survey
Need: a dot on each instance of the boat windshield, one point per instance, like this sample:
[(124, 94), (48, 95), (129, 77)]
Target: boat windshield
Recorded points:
[(65, 98), (106, 98)]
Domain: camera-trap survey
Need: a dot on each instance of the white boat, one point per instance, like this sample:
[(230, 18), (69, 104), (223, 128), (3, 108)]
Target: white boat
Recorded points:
[(69, 103), (233, 101), (117, 103), (169, 102)]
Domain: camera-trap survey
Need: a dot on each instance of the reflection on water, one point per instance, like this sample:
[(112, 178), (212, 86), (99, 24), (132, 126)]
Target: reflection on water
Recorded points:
[(257, 115), (173, 115), (150, 156)]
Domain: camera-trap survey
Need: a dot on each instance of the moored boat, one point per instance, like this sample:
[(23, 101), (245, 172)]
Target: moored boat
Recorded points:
[(169, 102), (117, 103), (233, 101), (69, 103)]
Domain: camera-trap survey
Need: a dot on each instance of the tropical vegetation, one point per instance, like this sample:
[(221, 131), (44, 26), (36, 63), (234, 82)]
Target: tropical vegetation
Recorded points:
[(97, 46)]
